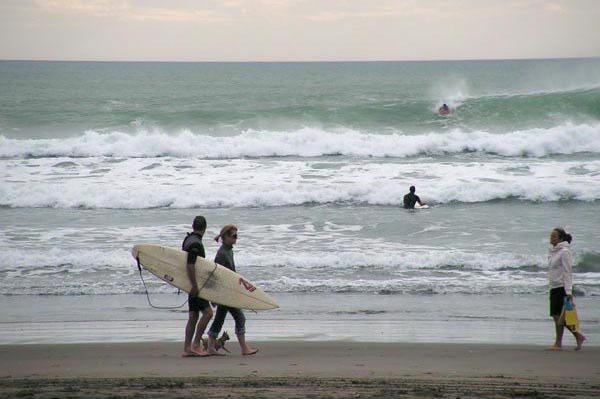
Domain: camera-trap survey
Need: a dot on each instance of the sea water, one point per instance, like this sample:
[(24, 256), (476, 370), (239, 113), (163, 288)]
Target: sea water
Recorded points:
[(311, 161)]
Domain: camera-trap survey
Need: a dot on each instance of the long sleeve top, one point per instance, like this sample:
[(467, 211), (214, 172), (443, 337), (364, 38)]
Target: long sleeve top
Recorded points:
[(560, 267), (224, 257)]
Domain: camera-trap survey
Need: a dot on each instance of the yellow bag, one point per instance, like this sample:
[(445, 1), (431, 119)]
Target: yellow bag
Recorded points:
[(569, 315)]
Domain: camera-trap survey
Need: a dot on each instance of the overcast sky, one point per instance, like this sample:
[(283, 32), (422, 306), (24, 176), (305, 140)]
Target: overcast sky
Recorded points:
[(297, 30)]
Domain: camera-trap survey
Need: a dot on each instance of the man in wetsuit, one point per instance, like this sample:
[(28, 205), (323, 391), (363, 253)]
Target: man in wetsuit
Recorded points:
[(194, 327), (411, 199)]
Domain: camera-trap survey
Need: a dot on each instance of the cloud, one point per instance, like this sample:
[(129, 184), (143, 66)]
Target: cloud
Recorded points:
[(163, 14), (98, 8), (383, 9), (537, 5), (554, 7), (122, 9)]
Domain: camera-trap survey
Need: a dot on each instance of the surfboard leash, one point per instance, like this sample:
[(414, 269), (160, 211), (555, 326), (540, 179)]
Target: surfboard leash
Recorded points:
[(139, 265), (208, 279)]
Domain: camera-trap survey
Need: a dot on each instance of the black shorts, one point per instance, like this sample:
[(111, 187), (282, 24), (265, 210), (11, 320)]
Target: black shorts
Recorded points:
[(557, 300), (197, 304)]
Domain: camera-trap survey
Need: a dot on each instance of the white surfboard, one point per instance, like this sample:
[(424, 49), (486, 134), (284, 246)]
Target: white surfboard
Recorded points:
[(216, 283), (417, 206)]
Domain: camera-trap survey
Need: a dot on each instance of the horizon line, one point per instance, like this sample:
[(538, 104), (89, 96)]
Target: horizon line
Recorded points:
[(303, 61)]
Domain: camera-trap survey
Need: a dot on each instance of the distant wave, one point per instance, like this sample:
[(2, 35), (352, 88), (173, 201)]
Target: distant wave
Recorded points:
[(311, 142), (382, 259), (154, 183), (578, 90), (537, 108), (589, 262), (184, 198), (79, 272), (536, 101)]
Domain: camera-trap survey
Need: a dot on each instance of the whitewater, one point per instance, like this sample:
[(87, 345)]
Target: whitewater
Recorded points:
[(566, 139)]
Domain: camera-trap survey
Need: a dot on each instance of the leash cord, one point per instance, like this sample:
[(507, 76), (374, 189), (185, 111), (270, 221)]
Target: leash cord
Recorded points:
[(208, 279), (139, 265), (148, 295)]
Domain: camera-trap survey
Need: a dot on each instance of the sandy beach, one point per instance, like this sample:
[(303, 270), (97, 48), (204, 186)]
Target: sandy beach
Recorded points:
[(299, 369)]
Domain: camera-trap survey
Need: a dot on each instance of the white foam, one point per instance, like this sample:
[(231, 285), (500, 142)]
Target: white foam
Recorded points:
[(142, 183), (374, 270), (453, 91), (310, 142)]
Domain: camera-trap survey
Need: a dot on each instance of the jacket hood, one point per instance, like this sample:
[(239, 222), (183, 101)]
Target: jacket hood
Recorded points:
[(559, 246)]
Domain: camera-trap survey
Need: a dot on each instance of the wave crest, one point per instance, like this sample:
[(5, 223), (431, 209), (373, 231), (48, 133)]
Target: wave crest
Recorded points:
[(79, 272), (310, 142)]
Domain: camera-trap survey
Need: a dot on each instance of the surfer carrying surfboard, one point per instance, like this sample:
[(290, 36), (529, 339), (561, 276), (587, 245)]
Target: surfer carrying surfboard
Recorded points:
[(560, 276), (195, 326), (411, 199), (224, 257)]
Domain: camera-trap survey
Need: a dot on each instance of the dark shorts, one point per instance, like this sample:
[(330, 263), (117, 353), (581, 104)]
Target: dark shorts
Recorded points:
[(557, 299), (197, 304)]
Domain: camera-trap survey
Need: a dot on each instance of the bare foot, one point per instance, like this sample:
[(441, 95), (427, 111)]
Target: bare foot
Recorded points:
[(200, 351), (194, 353), (214, 352), (554, 348), (580, 340), (250, 352)]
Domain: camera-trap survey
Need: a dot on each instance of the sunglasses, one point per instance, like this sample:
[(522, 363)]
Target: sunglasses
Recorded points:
[(232, 235)]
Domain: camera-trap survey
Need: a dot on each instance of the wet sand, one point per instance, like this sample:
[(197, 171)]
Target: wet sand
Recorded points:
[(299, 370)]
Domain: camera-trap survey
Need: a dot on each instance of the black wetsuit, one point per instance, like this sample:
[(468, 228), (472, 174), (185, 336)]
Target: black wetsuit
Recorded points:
[(192, 244), (410, 200), (224, 257)]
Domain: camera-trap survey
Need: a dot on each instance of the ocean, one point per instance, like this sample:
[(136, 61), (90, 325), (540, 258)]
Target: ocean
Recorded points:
[(311, 161)]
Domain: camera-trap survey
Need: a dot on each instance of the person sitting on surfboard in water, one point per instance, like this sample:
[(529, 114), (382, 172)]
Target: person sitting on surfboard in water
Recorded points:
[(224, 257), (194, 328), (411, 199)]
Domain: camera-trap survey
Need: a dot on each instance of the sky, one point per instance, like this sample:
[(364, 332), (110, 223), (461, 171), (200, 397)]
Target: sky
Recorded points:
[(297, 30)]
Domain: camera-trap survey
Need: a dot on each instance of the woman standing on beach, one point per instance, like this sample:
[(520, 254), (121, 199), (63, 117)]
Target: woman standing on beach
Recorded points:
[(224, 257), (560, 276)]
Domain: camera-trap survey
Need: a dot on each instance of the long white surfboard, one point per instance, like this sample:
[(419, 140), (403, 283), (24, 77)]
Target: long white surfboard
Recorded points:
[(217, 283)]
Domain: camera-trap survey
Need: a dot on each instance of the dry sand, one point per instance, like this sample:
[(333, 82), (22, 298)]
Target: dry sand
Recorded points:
[(299, 370)]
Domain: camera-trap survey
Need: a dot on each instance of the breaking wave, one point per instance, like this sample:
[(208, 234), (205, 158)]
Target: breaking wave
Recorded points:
[(311, 142)]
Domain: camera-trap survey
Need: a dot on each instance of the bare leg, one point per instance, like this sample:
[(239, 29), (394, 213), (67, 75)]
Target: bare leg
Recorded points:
[(579, 337), (560, 328), (207, 314), (215, 328), (190, 328), (246, 349)]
